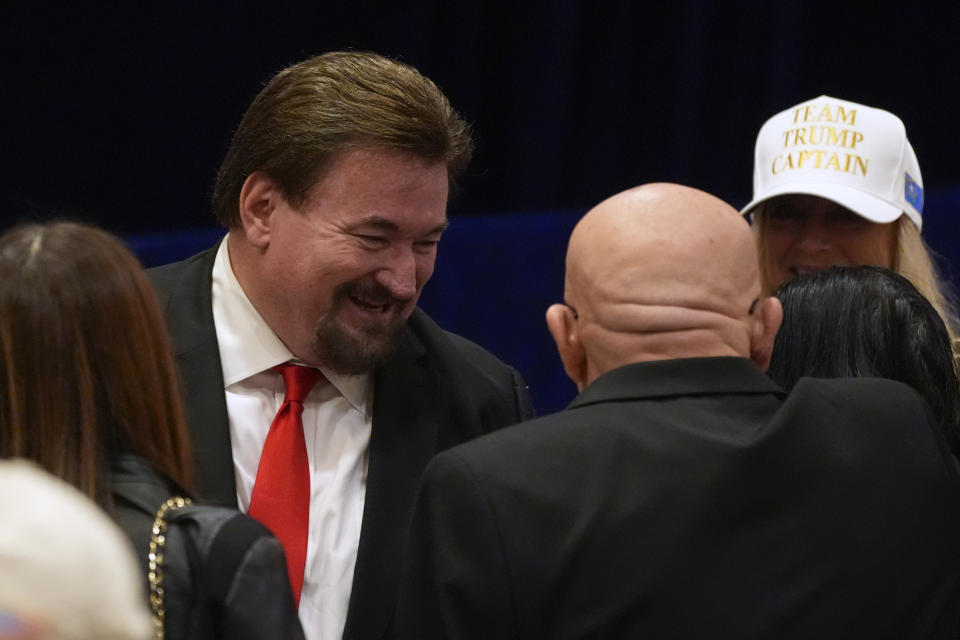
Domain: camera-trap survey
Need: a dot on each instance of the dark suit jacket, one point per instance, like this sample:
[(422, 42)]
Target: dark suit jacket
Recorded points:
[(437, 390), (689, 499)]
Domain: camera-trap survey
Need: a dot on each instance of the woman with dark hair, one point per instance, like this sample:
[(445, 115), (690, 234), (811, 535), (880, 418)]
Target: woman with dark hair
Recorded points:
[(88, 390), (867, 321)]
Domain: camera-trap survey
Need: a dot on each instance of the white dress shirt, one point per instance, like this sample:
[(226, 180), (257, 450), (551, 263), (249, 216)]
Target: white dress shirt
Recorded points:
[(337, 418)]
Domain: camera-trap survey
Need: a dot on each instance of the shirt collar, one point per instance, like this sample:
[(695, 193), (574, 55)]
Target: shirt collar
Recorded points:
[(249, 346), (678, 377)]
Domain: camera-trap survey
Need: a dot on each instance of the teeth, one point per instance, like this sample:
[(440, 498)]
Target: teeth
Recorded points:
[(367, 304)]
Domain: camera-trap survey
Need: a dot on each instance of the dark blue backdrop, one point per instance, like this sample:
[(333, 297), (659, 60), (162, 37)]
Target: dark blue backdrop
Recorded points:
[(119, 115), (496, 275)]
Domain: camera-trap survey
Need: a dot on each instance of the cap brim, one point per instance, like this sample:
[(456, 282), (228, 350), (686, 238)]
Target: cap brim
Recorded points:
[(863, 204)]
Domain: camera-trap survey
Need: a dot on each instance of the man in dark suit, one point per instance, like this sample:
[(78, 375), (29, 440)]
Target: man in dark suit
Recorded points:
[(334, 192), (683, 494)]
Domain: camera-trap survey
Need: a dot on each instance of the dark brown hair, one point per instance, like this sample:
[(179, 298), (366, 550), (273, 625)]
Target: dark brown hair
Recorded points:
[(311, 110), (86, 370)]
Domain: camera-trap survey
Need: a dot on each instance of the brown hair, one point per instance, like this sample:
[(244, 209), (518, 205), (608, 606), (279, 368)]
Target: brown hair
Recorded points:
[(86, 369), (311, 110)]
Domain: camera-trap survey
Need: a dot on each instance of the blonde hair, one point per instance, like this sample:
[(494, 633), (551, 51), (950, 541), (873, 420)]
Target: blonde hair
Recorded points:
[(913, 259)]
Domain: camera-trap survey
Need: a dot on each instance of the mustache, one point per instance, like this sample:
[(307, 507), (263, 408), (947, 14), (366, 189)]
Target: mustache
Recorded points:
[(371, 292)]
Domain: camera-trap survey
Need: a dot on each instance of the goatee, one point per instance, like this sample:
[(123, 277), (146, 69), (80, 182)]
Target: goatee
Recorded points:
[(358, 350)]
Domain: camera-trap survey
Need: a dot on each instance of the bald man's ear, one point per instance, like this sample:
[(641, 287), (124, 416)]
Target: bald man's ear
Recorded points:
[(766, 322), (258, 201), (563, 328)]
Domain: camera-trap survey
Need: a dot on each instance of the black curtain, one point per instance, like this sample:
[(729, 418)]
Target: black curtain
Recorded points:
[(121, 115)]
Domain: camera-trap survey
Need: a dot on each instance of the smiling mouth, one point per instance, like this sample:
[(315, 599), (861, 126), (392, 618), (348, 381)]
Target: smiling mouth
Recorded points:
[(804, 269), (371, 299), (372, 305)]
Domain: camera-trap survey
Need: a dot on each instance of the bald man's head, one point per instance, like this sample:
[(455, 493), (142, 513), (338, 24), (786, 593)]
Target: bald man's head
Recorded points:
[(660, 271)]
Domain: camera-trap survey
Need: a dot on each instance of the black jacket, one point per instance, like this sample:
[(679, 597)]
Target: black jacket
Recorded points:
[(690, 499), (438, 389), (230, 586)]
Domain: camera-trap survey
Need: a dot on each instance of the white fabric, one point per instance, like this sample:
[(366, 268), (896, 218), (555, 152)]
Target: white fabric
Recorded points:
[(337, 419), (65, 568), (852, 154)]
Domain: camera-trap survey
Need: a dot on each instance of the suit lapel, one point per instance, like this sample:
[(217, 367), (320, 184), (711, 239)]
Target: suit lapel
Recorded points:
[(189, 315), (403, 439)]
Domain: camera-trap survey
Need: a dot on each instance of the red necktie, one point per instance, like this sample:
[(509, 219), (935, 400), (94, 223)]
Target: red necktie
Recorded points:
[(281, 492)]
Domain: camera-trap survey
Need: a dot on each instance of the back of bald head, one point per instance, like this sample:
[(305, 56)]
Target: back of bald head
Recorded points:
[(664, 244), (661, 271)]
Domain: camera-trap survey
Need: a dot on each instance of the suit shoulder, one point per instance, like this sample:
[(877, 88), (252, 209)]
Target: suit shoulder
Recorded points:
[(875, 413), (470, 378), (863, 401), (857, 394), (507, 455), (447, 349), (165, 278)]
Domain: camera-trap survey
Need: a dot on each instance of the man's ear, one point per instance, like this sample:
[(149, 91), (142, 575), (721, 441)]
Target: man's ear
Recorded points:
[(766, 322), (563, 328), (259, 197)]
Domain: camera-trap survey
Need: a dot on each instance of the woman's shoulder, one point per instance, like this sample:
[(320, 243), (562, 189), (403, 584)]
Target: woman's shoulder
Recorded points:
[(135, 484), (240, 565), (211, 525)]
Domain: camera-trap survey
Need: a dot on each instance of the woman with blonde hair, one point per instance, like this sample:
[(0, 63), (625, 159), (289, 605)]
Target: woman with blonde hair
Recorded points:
[(837, 183), (88, 391)]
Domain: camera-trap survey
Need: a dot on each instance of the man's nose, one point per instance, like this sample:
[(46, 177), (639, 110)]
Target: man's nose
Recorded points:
[(399, 274)]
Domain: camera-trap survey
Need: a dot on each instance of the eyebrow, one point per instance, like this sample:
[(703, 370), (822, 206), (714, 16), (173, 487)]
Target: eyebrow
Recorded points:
[(389, 225)]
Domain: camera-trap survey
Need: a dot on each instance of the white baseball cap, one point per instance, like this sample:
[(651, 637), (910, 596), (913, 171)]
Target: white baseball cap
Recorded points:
[(66, 570), (854, 155)]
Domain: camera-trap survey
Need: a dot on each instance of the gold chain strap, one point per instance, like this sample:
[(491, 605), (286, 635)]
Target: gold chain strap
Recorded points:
[(155, 561)]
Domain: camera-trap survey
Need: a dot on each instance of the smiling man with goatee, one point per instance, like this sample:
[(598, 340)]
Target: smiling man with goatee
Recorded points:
[(316, 389)]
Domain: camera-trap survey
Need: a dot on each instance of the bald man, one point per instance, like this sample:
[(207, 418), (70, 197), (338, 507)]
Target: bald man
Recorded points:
[(682, 494)]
